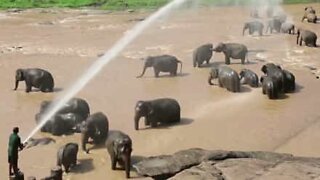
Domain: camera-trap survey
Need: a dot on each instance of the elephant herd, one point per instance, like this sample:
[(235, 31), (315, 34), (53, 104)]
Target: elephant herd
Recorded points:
[(75, 116)]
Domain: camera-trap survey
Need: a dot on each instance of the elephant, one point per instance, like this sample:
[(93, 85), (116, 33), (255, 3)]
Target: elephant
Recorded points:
[(276, 73), (253, 26), (67, 155), (119, 146), (232, 50), (310, 9), (249, 77), (75, 105), (162, 110), (287, 28), (309, 37), (289, 83), (61, 124), (309, 14), (274, 24), (269, 87), (201, 54), (95, 127), (35, 77), (162, 63), (312, 18), (227, 78)]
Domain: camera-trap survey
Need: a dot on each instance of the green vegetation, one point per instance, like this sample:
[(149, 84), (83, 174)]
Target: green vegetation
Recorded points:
[(114, 4)]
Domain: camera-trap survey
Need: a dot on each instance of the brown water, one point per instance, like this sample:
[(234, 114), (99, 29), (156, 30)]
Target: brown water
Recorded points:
[(66, 42)]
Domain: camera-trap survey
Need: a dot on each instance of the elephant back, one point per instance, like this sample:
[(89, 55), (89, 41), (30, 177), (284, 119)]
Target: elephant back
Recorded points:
[(114, 135), (76, 105), (203, 53), (98, 126), (166, 109)]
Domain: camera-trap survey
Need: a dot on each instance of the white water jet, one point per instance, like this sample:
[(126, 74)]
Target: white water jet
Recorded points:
[(102, 61)]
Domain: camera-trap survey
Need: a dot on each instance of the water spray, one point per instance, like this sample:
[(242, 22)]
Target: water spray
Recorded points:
[(97, 66)]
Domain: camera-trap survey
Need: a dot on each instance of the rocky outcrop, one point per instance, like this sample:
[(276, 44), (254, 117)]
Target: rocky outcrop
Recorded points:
[(200, 164)]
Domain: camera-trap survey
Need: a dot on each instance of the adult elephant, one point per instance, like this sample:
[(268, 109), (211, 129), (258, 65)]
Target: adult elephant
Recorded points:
[(249, 77), (232, 50), (309, 37), (202, 54), (163, 63), (274, 24), (158, 111), (269, 87), (75, 105), (67, 156), (35, 77), (227, 78), (276, 73), (95, 127), (287, 28), (253, 26), (119, 146), (289, 83)]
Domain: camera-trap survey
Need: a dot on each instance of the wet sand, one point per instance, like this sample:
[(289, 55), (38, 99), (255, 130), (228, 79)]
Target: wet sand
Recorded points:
[(66, 42)]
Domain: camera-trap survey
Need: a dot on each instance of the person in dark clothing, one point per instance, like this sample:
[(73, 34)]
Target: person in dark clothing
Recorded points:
[(13, 148)]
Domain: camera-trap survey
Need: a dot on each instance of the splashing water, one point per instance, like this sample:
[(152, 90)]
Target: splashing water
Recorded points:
[(102, 61)]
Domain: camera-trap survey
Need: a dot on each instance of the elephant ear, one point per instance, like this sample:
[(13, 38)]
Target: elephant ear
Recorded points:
[(264, 69), (19, 74), (150, 108)]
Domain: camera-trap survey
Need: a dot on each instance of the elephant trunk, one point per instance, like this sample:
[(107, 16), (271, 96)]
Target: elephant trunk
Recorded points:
[(210, 80), (144, 70), (244, 29), (17, 84), (127, 164), (84, 140), (136, 121), (298, 34)]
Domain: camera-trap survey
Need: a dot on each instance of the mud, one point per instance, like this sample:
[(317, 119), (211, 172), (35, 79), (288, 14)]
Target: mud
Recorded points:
[(66, 42)]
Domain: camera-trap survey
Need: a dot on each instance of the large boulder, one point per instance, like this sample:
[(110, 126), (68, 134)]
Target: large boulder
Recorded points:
[(203, 164)]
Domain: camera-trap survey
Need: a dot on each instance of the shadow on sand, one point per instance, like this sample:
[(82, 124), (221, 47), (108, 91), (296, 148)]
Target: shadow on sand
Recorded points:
[(84, 166)]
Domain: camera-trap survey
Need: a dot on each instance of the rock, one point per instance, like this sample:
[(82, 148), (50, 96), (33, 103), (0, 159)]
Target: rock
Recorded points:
[(14, 10), (204, 171), (203, 164)]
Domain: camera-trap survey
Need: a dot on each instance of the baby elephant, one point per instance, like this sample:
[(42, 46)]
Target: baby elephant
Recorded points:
[(67, 155), (227, 78), (253, 26), (269, 87), (249, 77), (35, 77), (287, 28), (232, 50), (163, 111), (202, 54), (309, 37), (119, 146), (309, 14), (163, 63)]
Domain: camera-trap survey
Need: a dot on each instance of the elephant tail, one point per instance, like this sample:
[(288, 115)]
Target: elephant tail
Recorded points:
[(180, 62)]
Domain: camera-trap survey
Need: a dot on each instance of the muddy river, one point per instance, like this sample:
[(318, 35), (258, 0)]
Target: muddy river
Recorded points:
[(66, 42)]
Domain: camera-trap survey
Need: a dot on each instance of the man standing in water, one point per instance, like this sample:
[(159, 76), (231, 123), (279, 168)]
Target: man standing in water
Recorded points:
[(13, 146)]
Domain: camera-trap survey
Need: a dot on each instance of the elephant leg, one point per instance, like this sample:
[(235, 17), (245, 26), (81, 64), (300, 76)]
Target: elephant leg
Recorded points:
[(156, 72), (300, 43), (260, 32), (263, 91), (146, 122), (113, 161), (243, 60), (220, 83), (28, 87), (66, 167), (227, 60), (153, 124)]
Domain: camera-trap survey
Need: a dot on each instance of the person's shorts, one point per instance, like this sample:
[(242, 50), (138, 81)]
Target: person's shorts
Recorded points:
[(13, 161)]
